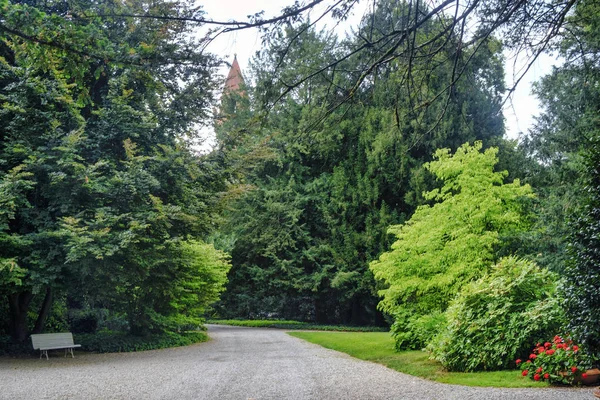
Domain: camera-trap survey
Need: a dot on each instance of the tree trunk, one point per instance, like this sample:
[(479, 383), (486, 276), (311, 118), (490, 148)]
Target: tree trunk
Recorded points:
[(44, 311), (18, 306)]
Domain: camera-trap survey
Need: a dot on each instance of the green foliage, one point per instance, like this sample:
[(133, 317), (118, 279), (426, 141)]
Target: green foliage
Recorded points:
[(163, 291), (414, 332), (446, 245), (84, 321), (58, 318), (564, 146), (100, 190), (560, 361), (379, 347), (112, 342), (9, 348), (570, 97), (109, 342), (286, 324), (582, 274), (496, 318), (579, 81), (316, 207)]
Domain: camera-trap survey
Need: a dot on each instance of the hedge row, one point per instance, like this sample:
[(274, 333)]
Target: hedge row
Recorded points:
[(117, 342), (295, 325), (110, 342)]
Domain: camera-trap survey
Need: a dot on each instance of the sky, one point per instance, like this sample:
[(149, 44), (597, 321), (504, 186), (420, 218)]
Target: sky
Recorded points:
[(246, 42), (521, 109), (519, 112)]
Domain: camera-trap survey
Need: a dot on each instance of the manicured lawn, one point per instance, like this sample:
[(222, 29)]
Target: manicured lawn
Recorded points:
[(379, 347), (286, 324)]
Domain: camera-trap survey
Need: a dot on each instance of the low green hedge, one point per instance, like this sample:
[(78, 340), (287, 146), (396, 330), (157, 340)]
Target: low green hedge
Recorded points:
[(295, 325), (8, 348), (111, 342)]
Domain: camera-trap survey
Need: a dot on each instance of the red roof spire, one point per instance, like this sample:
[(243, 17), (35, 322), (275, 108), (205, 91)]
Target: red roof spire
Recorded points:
[(234, 78)]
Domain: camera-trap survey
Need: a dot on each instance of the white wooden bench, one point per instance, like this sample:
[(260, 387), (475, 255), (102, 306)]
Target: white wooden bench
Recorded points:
[(53, 341)]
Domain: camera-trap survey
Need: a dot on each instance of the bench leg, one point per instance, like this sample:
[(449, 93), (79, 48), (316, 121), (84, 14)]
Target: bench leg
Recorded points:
[(72, 355), (42, 352)]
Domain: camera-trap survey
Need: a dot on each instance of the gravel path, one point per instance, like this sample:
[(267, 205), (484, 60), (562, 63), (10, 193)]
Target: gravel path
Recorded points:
[(238, 363)]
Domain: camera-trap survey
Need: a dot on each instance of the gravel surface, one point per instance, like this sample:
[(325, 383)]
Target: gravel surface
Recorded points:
[(238, 363)]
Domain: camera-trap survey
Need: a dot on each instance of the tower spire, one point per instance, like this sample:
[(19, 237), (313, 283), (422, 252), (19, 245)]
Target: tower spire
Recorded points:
[(234, 78)]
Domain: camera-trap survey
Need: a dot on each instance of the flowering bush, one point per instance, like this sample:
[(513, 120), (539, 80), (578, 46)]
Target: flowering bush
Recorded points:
[(559, 361), (496, 318)]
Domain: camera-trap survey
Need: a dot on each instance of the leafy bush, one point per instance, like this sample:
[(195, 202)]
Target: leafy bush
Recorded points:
[(109, 342), (559, 361), (415, 332), (58, 318), (291, 325), (496, 318), (10, 348), (447, 245), (84, 321), (170, 292)]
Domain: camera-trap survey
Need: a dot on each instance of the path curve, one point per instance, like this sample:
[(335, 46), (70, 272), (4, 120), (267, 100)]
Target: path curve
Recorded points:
[(238, 363)]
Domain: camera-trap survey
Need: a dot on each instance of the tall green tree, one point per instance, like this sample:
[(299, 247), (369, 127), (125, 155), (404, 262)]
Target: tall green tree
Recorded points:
[(103, 191), (582, 272), (301, 240), (41, 168), (580, 76)]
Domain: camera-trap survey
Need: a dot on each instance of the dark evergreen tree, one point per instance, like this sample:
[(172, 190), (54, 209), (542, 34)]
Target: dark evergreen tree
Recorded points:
[(565, 147), (582, 286), (337, 177)]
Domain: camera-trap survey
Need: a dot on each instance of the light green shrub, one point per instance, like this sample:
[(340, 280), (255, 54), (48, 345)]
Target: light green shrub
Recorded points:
[(416, 331), (496, 318), (444, 246)]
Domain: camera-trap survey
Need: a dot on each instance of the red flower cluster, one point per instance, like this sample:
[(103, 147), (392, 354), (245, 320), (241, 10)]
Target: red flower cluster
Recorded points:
[(557, 339), (559, 361)]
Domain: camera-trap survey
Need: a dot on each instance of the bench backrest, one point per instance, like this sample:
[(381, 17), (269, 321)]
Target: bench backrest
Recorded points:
[(52, 340)]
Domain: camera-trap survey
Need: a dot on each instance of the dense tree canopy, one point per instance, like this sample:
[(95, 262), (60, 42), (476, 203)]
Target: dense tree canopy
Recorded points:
[(106, 210), (328, 188), (580, 77), (103, 196)]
